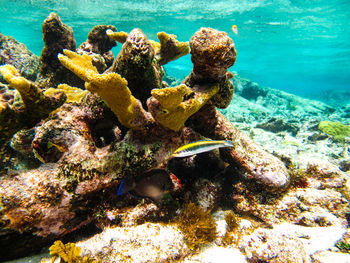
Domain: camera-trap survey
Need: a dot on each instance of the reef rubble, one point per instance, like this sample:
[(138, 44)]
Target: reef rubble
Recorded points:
[(88, 120)]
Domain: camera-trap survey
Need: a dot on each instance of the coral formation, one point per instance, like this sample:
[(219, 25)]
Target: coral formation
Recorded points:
[(99, 46), (212, 53), (69, 253), (117, 36), (178, 104), (57, 36), (33, 107), (111, 87), (137, 64), (73, 94), (170, 48)]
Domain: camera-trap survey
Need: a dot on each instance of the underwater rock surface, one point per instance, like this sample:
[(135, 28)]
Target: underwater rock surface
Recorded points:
[(63, 165), (17, 54)]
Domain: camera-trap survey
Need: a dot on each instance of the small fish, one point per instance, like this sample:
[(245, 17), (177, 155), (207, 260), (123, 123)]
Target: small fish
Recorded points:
[(153, 183), (200, 147), (235, 29), (61, 148)]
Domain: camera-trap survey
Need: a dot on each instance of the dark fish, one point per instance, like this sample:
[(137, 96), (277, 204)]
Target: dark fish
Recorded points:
[(153, 183)]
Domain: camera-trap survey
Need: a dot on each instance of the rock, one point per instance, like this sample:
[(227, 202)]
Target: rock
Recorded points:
[(252, 91), (308, 206), (278, 125), (288, 242), (267, 246), (216, 254), (345, 165), (17, 54), (329, 256), (147, 242)]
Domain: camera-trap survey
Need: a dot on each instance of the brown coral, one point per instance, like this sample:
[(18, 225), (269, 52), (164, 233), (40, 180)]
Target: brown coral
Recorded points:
[(137, 65), (212, 53), (99, 45), (57, 36), (198, 226)]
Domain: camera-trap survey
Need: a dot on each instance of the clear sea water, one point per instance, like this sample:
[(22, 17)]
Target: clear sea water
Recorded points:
[(299, 46)]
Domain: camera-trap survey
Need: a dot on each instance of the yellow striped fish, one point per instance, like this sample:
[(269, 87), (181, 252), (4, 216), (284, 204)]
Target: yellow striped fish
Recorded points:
[(200, 147)]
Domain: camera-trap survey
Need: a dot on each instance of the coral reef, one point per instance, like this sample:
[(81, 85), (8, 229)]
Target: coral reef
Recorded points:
[(126, 122), (253, 161), (111, 87)]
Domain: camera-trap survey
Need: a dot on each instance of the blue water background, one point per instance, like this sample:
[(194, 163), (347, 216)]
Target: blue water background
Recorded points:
[(299, 46)]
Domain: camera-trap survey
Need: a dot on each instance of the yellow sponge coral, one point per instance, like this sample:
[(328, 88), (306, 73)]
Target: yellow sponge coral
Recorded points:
[(112, 88), (170, 48), (73, 94), (179, 103), (28, 91), (117, 36)]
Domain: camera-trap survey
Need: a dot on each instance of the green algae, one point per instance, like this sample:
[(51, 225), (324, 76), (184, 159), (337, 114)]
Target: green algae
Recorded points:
[(338, 130)]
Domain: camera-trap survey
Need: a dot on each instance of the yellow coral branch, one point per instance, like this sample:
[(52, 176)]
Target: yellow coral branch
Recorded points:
[(170, 48), (112, 88), (81, 65), (28, 91), (117, 36), (179, 103), (73, 94)]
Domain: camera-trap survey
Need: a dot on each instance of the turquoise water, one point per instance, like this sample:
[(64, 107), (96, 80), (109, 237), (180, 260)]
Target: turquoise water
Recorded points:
[(302, 47)]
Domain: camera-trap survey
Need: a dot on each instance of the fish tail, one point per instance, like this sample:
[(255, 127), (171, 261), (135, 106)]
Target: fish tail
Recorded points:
[(229, 144), (124, 186)]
